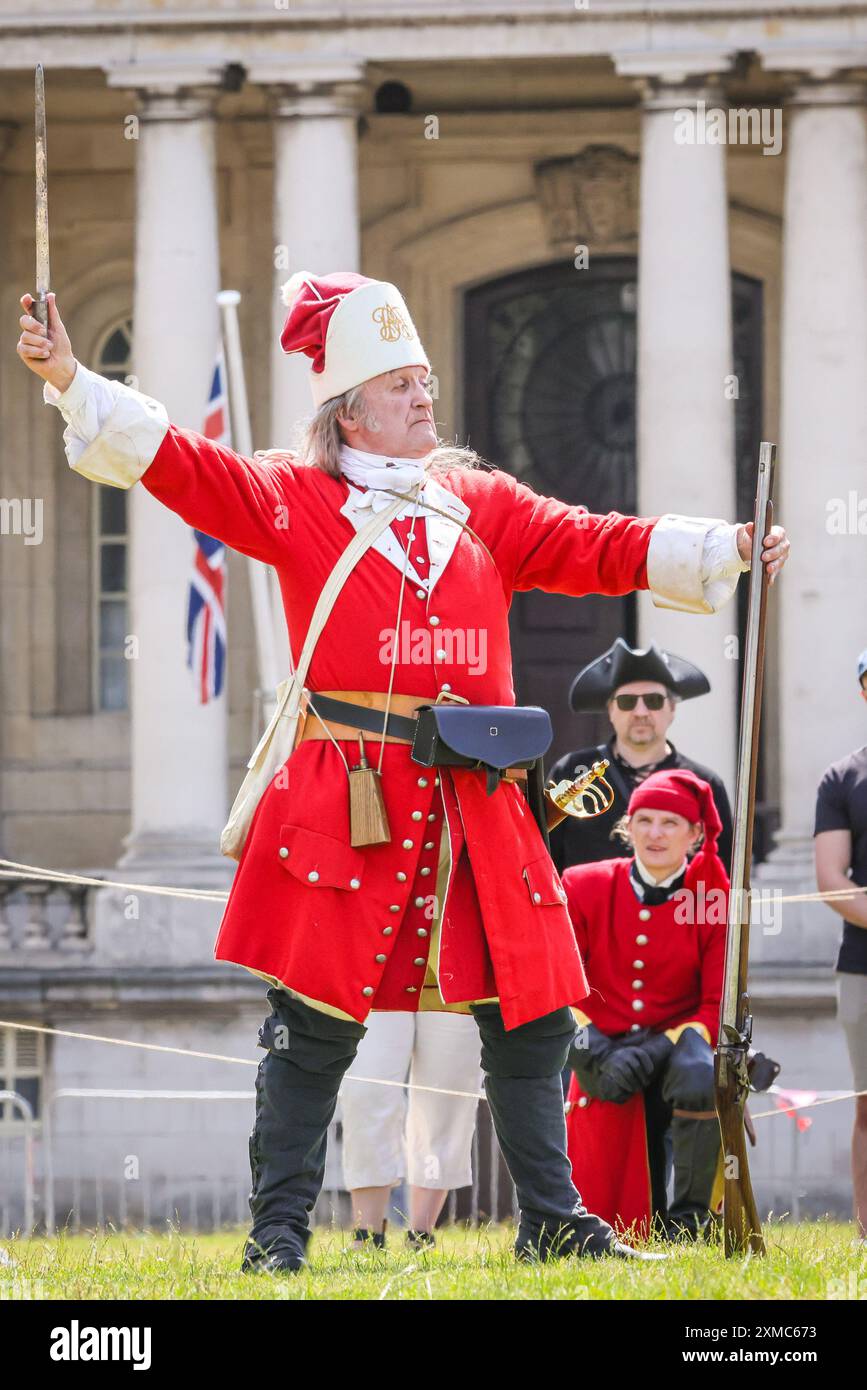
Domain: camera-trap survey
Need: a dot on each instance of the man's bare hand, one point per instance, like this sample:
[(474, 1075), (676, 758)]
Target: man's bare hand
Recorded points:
[(775, 548), (48, 354)]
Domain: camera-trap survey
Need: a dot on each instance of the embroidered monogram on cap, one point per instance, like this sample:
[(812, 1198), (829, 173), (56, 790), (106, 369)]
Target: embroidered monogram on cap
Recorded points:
[(392, 324)]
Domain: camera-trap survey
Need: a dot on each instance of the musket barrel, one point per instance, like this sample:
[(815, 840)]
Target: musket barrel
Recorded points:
[(737, 941)]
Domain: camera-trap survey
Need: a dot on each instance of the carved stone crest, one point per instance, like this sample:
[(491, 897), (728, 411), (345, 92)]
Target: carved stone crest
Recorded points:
[(589, 198)]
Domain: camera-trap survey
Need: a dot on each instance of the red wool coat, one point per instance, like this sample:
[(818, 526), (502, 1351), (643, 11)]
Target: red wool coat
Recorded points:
[(680, 966), (505, 928)]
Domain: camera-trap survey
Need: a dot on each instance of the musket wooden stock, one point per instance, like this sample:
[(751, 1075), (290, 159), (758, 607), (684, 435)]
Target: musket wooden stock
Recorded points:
[(741, 1225)]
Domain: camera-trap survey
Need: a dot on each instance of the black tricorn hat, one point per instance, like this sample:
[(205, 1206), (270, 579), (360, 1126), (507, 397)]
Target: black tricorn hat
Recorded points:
[(593, 687)]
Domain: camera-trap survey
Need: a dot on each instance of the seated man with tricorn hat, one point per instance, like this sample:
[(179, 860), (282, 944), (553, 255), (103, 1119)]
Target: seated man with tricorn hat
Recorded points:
[(640, 688)]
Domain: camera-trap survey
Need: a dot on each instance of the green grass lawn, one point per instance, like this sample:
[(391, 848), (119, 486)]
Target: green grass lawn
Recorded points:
[(814, 1260)]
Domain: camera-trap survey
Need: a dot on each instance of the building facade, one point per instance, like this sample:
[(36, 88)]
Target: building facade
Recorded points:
[(634, 239)]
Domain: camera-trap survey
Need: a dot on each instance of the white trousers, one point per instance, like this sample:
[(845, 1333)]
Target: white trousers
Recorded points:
[(391, 1134)]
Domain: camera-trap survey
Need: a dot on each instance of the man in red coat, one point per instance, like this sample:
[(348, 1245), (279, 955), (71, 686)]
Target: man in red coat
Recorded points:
[(652, 931), (339, 929)]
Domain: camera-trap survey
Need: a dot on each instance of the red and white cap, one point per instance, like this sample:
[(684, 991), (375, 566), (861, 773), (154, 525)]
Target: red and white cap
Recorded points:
[(351, 327)]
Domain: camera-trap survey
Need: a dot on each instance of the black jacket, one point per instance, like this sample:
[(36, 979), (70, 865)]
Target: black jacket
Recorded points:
[(585, 841)]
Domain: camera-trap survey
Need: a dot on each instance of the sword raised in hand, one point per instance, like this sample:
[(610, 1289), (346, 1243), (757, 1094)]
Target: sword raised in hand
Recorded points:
[(43, 271)]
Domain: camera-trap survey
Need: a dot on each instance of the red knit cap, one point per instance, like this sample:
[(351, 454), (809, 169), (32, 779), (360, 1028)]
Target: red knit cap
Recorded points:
[(678, 790), (681, 791), (312, 300)]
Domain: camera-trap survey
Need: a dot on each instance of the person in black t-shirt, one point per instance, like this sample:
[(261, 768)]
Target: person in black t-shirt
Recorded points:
[(840, 838), (640, 687)]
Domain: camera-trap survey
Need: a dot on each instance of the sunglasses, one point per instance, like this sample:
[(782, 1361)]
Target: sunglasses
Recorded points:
[(653, 701)]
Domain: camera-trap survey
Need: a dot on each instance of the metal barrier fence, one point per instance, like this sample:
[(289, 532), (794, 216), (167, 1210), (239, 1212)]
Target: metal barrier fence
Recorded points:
[(85, 1194), (26, 1169)]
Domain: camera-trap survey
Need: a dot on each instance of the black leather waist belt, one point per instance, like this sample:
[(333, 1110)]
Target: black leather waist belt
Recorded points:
[(372, 721)]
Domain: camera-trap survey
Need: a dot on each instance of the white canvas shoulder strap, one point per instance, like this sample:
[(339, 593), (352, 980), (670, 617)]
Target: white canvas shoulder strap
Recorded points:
[(289, 692)]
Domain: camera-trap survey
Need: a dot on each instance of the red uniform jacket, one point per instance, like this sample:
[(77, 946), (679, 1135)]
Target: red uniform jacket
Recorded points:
[(648, 967), (505, 927)]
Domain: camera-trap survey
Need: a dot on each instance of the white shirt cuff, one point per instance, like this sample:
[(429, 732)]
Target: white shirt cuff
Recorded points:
[(112, 432), (693, 563)]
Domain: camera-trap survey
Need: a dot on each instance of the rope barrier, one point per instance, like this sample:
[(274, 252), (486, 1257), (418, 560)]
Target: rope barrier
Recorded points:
[(222, 1057), (10, 870), (826, 1098)]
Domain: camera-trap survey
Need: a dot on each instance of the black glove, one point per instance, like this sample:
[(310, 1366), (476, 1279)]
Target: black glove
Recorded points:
[(688, 1083), (763, 1071), (586, 1055), (633, 1065)]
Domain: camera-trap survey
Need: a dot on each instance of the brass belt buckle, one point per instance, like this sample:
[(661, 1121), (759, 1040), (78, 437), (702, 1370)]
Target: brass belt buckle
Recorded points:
[(447, 695)]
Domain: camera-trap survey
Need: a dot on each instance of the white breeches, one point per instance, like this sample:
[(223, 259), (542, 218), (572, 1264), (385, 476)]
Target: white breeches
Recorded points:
[(390, 1134)]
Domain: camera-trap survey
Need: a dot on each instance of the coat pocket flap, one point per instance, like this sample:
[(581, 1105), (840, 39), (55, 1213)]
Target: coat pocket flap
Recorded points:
[(543, 882), (322, 861)]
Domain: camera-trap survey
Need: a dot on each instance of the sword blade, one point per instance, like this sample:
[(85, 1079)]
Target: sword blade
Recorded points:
[(43, 272)]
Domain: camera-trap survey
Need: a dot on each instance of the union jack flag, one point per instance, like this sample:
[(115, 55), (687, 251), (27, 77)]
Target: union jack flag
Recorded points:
[(206, 614)]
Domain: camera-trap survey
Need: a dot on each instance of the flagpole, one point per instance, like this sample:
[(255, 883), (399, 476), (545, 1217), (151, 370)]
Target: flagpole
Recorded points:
[(242, 443)]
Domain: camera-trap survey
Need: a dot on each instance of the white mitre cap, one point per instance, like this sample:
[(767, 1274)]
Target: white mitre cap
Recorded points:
[(351, 327)]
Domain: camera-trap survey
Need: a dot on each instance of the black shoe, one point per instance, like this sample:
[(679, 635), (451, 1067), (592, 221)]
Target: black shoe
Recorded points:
[(421, 1240), (285, 1260), (586, 1236), (363, 1239)]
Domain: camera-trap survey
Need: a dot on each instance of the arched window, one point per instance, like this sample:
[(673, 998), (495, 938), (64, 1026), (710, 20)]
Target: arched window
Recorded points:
[(110, 617)]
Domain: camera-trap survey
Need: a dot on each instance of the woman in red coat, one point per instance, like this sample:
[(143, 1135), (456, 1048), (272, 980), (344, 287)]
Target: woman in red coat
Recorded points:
[(651, 931)]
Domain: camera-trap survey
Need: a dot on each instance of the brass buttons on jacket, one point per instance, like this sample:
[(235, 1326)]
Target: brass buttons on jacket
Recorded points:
[(644, 915), (380, 959), (283, 852), (355, 883), (367, 991), (313, 876), (641, 939)]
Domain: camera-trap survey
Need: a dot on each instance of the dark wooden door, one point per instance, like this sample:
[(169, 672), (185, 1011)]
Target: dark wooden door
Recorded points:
[(550, 398)]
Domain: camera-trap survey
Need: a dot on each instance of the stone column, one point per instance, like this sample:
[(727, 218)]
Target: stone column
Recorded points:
[(686, 459), (317, 224), (179, 747), (822, 476)]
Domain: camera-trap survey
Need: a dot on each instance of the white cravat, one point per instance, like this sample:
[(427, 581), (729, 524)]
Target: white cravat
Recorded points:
[(375, 471)]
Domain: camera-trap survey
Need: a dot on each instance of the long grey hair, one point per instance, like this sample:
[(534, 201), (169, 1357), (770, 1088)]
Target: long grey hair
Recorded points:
[(320, 438)]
